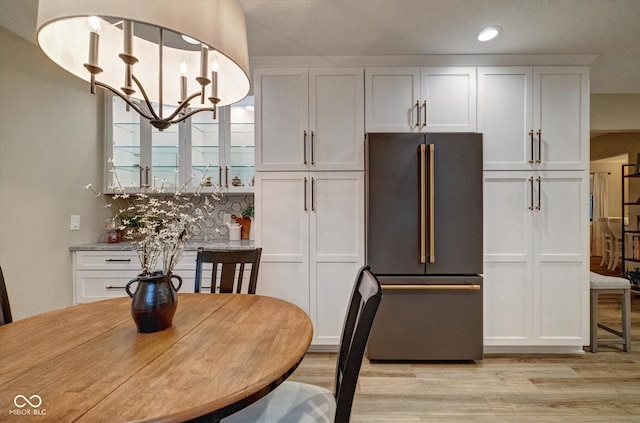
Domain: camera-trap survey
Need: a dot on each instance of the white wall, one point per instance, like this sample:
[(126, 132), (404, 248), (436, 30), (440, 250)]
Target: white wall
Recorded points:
[(51, 144)]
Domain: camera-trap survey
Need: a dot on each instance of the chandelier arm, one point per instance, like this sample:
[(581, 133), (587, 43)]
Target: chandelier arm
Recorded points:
[(193, 112), (183, 106), (146, 98), (135, 106)]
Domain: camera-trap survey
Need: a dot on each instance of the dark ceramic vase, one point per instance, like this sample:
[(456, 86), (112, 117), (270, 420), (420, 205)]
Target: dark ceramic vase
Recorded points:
[(154, 301)]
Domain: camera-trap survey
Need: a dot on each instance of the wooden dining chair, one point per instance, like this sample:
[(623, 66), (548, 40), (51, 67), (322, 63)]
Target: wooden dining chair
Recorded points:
[(232, 272), (296, 402), (4, 302)]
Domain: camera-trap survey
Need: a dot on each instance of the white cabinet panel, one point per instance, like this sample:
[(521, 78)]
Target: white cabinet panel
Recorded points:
[(309, 119), (438, 99), (449, 97), (536, 266), (392, 96), (282, 101), (310, 226), (336, 119), (534, 118), (561, 114), (505, 99)]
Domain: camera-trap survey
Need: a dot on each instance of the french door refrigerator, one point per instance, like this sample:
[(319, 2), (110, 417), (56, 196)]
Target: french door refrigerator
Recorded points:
[(424, 243)]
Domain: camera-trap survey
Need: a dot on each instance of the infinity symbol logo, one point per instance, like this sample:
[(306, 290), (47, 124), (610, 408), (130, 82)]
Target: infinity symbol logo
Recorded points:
[(21, 401)]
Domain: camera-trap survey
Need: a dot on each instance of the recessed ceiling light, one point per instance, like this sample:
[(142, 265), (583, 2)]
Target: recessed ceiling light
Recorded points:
[(489, 33)]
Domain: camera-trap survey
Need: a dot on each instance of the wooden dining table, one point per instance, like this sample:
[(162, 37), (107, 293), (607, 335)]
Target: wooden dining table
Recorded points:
[(88, 363)]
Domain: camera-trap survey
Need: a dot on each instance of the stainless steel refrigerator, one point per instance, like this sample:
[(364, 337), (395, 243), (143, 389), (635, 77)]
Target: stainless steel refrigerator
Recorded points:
[(424, 242)]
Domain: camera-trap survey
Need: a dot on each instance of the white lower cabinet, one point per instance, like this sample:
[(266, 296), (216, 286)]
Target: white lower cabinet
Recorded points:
[(310, 226), (100, 275), (536, 250)]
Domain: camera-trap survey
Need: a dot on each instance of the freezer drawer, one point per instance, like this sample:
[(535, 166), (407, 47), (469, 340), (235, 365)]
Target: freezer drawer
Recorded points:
[(433, 318)]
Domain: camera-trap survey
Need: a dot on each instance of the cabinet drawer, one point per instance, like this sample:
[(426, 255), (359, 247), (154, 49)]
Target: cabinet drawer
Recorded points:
[(102, 285), (107, 260)]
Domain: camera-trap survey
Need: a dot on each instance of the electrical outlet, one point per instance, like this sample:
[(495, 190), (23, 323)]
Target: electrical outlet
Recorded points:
[(75, 222)]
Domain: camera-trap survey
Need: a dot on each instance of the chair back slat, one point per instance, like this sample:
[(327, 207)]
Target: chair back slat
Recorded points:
[(232, 269), (365, 299), (5, 308)]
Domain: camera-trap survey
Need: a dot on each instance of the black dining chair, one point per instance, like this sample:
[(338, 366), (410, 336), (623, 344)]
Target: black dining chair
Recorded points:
[(294, 402), (4, 302), (232, 263)]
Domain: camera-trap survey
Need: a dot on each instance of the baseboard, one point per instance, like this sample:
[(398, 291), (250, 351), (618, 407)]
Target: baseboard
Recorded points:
[(532, 349)]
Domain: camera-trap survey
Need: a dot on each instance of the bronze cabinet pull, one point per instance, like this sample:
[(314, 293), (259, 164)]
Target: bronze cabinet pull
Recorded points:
[(424, 105), (531, 204), (226, 176), (304, 147), (417, 106), (313, 201), (312, 161), (539, 134), (538, 207), (532, 152), (305, 193), (117, 260)]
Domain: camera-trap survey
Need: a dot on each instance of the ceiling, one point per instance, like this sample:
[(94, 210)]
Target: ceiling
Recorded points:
[(605, 31)]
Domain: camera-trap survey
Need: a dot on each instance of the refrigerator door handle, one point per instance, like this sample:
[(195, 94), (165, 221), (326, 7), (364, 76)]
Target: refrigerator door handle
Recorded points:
[(467, 287), (427, 192), (431, 205), (423, 204)]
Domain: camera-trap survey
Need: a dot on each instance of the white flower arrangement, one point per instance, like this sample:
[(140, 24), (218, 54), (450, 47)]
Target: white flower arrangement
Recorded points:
[(159, 225)]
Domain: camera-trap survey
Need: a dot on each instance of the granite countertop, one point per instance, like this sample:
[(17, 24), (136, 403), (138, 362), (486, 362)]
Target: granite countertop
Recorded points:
[(214, 245)]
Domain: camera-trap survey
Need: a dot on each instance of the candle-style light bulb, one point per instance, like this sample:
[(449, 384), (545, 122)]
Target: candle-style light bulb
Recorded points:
[(215, 67), (94, 39), (94, 23), (183, 80), (94, 42)]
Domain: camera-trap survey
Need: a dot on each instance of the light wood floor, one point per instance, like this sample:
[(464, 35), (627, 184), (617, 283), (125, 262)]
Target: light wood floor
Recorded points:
[(602, 387)]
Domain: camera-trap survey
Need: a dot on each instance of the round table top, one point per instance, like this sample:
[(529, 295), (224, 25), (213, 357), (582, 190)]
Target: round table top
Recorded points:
[(88, 363)]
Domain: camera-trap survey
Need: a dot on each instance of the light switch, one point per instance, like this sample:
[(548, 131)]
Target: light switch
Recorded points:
[(75, 222)]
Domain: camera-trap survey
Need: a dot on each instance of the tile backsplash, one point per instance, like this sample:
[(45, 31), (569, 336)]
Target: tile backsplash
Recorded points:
[(214, 227)]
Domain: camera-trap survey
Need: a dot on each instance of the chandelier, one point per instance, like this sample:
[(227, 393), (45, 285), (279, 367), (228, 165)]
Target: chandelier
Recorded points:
[(192, 53)]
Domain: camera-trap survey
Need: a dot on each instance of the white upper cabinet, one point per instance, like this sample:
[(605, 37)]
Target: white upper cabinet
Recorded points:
[(309, 119), (433, 99), (534, 118)]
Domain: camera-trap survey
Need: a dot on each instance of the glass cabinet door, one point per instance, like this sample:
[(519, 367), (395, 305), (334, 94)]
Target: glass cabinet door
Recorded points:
[(205, 149), (241, 154), (126, 147), (162, 170)]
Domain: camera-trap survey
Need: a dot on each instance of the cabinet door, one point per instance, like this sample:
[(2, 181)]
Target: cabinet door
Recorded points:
[(123, 145), (561, 114), (561, 272), (505, 117), (336, 119), (391, 99), (282, 211), (336, 248), (448, 100), (282, 133), (508, 254)]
